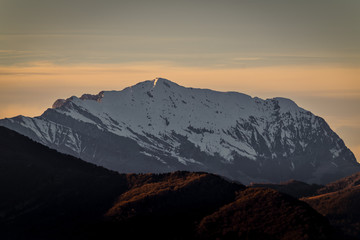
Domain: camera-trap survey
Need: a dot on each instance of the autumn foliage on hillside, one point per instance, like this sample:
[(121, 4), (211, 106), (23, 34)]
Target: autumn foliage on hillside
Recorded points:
[(170, 208), (340, 204), (344, 183), (261, 213)]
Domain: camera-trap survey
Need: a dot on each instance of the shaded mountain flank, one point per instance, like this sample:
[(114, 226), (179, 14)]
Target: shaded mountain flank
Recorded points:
[(159, 126), (49, 195), (293, 188)]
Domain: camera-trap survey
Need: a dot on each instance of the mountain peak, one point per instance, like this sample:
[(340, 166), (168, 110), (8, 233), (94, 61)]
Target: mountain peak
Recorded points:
[(97, 97), (58, 103), (287, 105), (163, 81)]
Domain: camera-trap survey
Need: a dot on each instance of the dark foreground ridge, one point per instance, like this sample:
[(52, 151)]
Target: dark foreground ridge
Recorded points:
[(49, 195)]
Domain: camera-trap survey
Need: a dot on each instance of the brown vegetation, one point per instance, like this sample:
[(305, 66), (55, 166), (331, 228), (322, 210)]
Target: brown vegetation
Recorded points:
[(170, 207), (340, 204), (261, 213), (346, 182)]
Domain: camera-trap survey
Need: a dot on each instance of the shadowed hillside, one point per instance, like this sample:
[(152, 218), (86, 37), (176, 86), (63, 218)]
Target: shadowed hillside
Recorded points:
[(44, 192), (346, 182), (48, 195), (170, 208), (261, 213), (340, 204)]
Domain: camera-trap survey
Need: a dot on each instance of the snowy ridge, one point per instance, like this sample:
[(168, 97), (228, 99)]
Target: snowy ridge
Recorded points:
[(48, 133), (151, 111), (170, 122)]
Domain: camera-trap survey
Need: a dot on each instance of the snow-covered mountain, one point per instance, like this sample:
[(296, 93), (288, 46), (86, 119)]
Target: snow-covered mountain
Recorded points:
[(159, 126)]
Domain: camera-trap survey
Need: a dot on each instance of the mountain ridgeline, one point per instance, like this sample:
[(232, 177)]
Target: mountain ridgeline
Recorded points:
[(158, 126)]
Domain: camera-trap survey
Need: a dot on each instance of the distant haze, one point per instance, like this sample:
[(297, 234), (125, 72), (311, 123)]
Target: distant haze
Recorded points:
[(308, 51)]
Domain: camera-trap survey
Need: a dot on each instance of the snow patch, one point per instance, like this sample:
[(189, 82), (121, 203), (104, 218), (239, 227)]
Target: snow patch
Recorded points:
[(335, 152), (292, 167)]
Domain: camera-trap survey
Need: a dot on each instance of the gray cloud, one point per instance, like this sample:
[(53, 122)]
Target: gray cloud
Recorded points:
[(279, 32)]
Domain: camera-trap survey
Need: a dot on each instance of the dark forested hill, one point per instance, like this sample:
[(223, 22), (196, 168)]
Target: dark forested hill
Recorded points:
[(49, 195), (43, 191), (339, 202), (260, 213)]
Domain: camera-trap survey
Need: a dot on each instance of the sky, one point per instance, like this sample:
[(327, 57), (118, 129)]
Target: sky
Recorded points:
[(305, 50)]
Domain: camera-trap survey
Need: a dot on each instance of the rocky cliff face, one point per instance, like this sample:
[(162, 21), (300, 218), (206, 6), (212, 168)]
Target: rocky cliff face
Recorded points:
[(159, 126)]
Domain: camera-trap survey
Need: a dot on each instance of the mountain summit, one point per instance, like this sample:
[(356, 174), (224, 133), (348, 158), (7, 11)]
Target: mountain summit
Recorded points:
[(160, 126)]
